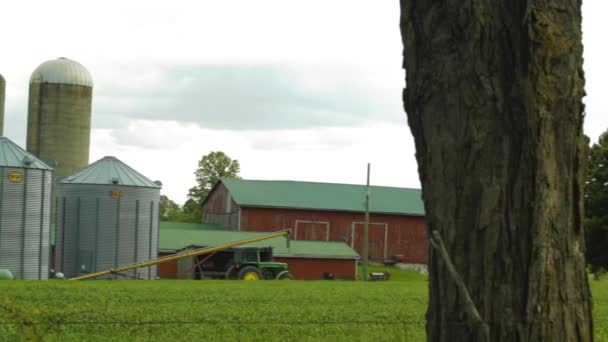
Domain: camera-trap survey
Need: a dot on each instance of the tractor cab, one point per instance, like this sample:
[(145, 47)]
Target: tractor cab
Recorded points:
[(245, 263)]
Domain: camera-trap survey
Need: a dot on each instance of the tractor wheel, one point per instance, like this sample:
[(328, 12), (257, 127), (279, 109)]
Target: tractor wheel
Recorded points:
[(250, 273), (285, 275), (231, 274)]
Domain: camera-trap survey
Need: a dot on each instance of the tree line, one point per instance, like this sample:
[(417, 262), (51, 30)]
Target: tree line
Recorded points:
[(596, 206)]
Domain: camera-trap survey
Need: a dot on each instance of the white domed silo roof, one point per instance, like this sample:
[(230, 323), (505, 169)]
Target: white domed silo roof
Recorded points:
[(13, 156), (109, 171), (62, 71)]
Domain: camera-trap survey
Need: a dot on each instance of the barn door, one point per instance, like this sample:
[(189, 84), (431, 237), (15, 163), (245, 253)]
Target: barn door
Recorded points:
[(311, 231), (378, 234)]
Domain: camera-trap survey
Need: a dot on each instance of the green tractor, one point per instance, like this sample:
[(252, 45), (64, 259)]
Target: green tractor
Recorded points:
[(245, 263)]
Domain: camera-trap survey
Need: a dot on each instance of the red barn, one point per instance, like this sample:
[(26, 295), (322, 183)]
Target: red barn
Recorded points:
[(324, 212)]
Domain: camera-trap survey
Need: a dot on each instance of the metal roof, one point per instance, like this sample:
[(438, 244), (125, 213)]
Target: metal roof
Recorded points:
[(109, 170), (178, 235), (323, 196), (174, 236), (62, 71), (11, 155)]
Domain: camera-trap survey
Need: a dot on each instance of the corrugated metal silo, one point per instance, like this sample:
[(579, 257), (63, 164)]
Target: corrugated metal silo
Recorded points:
[(25, 207), (2, 96), (59, 115), (107, 216)]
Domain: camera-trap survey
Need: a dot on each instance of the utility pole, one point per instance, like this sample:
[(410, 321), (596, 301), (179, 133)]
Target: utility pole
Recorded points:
[(366, 228)]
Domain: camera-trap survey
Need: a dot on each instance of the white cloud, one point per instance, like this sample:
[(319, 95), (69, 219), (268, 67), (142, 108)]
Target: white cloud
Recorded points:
[(324, 155), (166, 135), (191, 31), (334, 106)]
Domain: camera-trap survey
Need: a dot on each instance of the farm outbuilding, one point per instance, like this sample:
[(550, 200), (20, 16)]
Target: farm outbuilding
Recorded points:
[(307, 260), (324, 212)]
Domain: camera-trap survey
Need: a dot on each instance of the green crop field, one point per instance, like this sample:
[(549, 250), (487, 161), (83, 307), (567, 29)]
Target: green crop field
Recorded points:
[(227, 310)]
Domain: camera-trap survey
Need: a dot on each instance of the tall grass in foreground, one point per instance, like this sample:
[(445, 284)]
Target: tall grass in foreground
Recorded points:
[(228, 310)]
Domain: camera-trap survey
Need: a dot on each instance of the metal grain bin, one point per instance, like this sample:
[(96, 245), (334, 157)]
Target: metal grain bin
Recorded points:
[(107, 216), (25, 208)]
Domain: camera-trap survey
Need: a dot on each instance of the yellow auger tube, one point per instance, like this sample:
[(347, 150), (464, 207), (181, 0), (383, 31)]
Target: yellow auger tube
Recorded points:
[(195, 252)]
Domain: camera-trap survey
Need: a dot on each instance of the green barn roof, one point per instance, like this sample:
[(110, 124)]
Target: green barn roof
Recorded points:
[(174, 236), (323, 196), (177, 235)]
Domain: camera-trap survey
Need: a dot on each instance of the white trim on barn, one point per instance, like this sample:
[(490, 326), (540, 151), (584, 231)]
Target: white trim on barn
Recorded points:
[(384, 247), (312, 222)]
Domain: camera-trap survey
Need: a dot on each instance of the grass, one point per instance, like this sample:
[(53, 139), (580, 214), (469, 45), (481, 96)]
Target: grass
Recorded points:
[(599, 290), (228, 310)]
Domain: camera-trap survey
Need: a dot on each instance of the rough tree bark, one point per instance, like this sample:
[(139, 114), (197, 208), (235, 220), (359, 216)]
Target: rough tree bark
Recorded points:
[(494, 101)]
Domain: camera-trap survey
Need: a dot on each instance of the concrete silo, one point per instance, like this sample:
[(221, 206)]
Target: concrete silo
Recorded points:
[(2, 96), (25, 208), (59, 115), (107, 216)]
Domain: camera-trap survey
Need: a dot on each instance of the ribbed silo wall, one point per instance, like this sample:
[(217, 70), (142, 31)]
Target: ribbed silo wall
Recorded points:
[(25, 208), (2, 97), (101, 232), (59, 125)]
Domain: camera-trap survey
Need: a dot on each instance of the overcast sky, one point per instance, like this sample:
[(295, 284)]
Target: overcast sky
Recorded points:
[(299, 90)]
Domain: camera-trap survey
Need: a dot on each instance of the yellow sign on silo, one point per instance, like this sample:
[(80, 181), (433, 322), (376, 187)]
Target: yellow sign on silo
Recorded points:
[(115, 194), (15, 177)]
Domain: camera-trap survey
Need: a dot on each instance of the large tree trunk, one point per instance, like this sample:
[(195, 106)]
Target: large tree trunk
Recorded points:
[(493, 99)]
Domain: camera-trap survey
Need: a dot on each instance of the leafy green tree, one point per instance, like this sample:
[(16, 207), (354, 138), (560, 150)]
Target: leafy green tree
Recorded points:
[(596, 205), (169, 210), (191, 212), (211, 168)]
